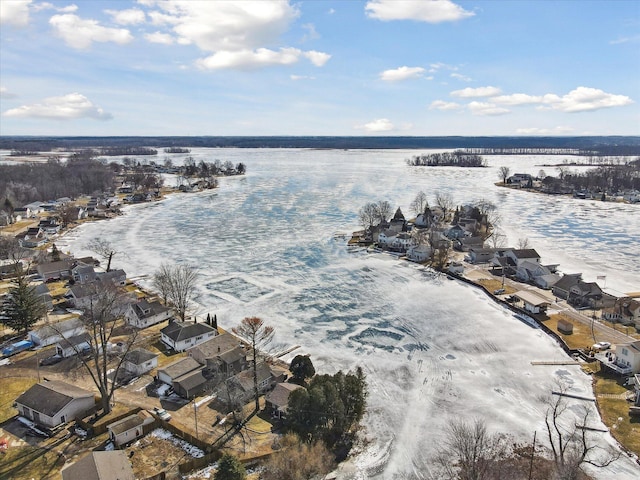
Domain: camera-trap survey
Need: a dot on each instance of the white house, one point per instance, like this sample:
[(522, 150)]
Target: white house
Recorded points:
[(52, 334), (68, 347), (144, 313), (182, 335), (129, 428), (386, 237), (401, 241), (628, 355), (53, 403), (140, 361), (83, 274), (533, 302), (419, 253)]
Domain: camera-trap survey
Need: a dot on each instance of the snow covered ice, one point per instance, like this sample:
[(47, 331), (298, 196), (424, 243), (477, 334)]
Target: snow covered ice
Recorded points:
[(432, 350)]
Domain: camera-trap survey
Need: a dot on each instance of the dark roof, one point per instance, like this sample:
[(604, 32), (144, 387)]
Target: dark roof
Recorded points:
[(51, 397), (218, 345), (180, 367), (246, 378), (567, 281), (154, 307), (177, 331), (191, 380), (139, 356), (526, 253), (113, 465), (52, 267), (279, 396), (112, 275), (75, 340), (83, 291), (232, 355)]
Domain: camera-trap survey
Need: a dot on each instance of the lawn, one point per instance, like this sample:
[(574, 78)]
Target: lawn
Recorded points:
[(492, 285), (615, 413), (581, 336), (10, 389), (31, 462)]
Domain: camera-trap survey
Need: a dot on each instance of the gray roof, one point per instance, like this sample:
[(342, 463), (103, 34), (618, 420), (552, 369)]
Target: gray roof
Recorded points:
[(180, 367), (191, 380), (75, 341), (526, 253), (139, 356), (62, 265), (217, 345), (232, 355), (112, 275), (246, 378), (113, 465), (58, 328), (51, 397), (178, 331), (279, 396), (567, 281), (127, 423), (153, 308)]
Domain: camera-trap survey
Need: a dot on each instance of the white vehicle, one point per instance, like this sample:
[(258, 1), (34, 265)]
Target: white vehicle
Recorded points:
[(162, 413), (601, 346)]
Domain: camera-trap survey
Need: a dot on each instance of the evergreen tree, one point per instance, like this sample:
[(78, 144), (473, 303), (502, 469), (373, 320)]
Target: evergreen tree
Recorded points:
[(230, 468), (22, 307), (302, 368)]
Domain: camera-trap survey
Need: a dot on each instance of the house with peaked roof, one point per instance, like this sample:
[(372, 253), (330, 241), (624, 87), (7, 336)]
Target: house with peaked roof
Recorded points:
[(174, 370), (139, 361), (223, 354), (68, 347), (55, 270), (113, 465), (83, 273), (129, 428), (180, 336), (53, 403), (52, 334), (240, 387), (582, 294), (277, 400), (628, 355), (144, 313), (117, 277), (533, 272)]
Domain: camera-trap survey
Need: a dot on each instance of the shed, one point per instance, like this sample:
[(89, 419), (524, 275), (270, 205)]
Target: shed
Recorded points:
[(565, 326), (533, 302), (129, 428)]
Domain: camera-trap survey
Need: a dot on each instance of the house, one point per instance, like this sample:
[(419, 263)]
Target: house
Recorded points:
[(23, 213), (222, 354), (52, 334), (419, 253), (42, 291), (68, 347), (401, 242), (129, 428), (456, 232), (386, 238), (169, 373), (240, 387), (532, 272), (533, 302), (117, 277), (139, 361), (465, 244), (53, 403), (480, 255), (113, 465), (193, 383), (520, 179), (563, 286), (277, 400), (628, 355), (55, 270), (182, 335), (144, 313), (83, 274), (82, 296), (626, 310), (582, 294)]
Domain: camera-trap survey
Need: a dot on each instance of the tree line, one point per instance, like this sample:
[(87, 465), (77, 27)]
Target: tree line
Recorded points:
[(458, 158)]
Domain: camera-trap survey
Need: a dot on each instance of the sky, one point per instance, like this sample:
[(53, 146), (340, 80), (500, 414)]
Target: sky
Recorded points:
[(321, 67)]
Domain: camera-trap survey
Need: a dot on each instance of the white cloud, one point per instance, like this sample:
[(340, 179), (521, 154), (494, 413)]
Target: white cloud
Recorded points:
[(5, 93), (37, 7), (248, 59), (81, 33), (486, 109), (433, 11), (517, 99), (159, 37), (317, 58), (402, 73), (584, 99), (444, 106), (631, 39), (459, 76), (434, 67), (311, 34), (15, 12), (66, 107), (379, 125), (131, 16), (476, 92), (301, 77), (544, 131)]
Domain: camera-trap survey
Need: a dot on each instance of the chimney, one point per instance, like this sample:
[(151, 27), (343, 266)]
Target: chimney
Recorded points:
[(215, 322)]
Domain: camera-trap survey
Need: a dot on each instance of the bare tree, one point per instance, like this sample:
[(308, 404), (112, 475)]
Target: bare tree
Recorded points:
[(571, 442), (562, 172), (177, 284), (298, 460), (103, 248), (523, 243), (100, 318), (470, 452), (384, 211), (10, 249), (419, 203), (504, 173), (259, 335), (497, 239), (368, 215), (445, 202)]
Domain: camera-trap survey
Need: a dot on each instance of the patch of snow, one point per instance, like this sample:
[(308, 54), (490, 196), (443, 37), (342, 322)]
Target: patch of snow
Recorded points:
[(191, 450)]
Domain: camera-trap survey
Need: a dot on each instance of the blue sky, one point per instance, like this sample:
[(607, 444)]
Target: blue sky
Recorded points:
[(378, 67)]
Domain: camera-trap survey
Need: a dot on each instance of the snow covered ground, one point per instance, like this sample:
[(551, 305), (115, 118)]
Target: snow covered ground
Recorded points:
[(432, 350)]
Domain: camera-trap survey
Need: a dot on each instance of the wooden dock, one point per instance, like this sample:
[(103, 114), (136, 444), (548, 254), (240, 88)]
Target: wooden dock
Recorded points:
[(555, 362)]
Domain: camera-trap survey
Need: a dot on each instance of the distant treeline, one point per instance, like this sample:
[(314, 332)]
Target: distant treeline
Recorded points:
[(177, 150), (25, 183), (597, 151), (612, 145), (447, 159)]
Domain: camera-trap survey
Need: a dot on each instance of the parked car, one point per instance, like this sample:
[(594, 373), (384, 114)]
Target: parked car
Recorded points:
[(52, 360), (162, 413), (601, 346), (500, 291)]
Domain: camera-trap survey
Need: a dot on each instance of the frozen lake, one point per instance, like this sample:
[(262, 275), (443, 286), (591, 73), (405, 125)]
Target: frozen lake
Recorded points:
[(432, 350)]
